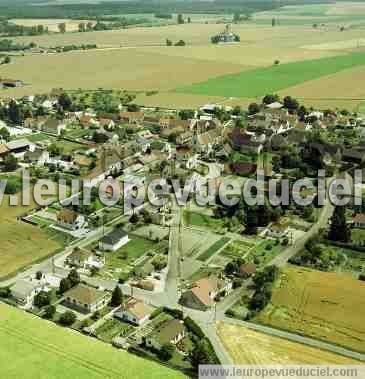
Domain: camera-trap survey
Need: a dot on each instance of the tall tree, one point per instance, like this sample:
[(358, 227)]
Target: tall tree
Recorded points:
[(62, 27), (180, 19), (339, 229), (117, 297)]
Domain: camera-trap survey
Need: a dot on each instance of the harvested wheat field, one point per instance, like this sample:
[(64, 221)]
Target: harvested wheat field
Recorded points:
[(246, 346), (112, 69), (326, 306), (51, 24)]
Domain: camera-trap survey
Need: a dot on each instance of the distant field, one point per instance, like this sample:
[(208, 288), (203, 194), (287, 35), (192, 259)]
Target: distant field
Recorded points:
[(271, 79), (34, 348), (21, 243), (112, 69), (322, 305), (51, 24), (246, 346)]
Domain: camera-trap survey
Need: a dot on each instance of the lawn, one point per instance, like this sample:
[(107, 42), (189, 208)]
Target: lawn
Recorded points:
[(199, 219), (123, 259), (261, 81), (21, 243), (57, 353), (325, 306), (213, 249)]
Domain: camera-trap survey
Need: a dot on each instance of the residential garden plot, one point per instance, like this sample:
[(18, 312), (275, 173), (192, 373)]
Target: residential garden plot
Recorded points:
[(122, 260), (246, 346), (322, 305), (271, 79), (213, 249), (55, 351), (113, 328)]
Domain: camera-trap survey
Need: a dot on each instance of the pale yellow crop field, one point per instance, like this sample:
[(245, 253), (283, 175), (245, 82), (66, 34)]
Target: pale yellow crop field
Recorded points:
[(246, 346), (124, 69), (340, 8), (51, 24)]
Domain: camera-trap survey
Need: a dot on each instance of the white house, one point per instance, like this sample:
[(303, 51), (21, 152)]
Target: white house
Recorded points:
[(38, 157), (134, 311), (24, 291), (84, 259), (86, 298), (113, 240)]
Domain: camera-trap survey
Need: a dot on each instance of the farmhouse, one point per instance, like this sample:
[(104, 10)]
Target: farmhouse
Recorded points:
[(70, 219), (20, 147), (38, 157), (24, 291), (113, 240), (201, 296), (134, 311), (86, 298), (171, 331)]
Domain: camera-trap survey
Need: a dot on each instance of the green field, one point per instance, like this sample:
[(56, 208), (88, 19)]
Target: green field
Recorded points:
[(213, 249), (261, 81), (33, 348)]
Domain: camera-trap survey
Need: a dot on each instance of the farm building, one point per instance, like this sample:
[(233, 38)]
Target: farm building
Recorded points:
[(86, 298)]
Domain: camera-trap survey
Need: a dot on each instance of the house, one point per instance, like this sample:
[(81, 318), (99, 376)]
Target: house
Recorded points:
[(359, 221), (113, 240), (185, 156), (19, 147), (70, 219), (132, 117), (85, 298), (184, 138), (244, 142), (170, 331), (201, 296), (134, 311), (53, 126), (38, 157), (277, 231), (84, 259), (242, 168), (24, 291), (87, 121), (247, 270)]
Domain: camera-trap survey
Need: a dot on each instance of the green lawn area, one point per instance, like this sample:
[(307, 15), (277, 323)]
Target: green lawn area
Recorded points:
[(124, 257), (77, 133), (53, 352), (198, 219), (261, 81), (213, 249), (358, 237), (37, 137), (113, 328)]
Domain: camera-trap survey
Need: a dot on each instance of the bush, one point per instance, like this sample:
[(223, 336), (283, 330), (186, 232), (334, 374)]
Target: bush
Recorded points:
[(166, 352), (4, 292), (193, 327), (176, 313), (362, 277), (156, 312), (50, 312), (67, 318)]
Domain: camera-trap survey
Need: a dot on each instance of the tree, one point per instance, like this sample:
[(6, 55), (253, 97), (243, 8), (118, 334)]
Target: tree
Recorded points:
[(236, 17), (62, 27), (180, 19), (89, 26), (117, 297), (200, 355), (42, 298), (180, 43), (10, 163), (166, 352), (65, 285), (168, 42), (39, 275), (82, 27), (339, 230), (49, 311), (7, 60), (186, 114), (253, 108), (189, 20), (269, 99), (54, 150), (290, 103), (4, 134), (74, 277), (65, 101), (276, 62), (15, 113), (273, 22), (67, 318)]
